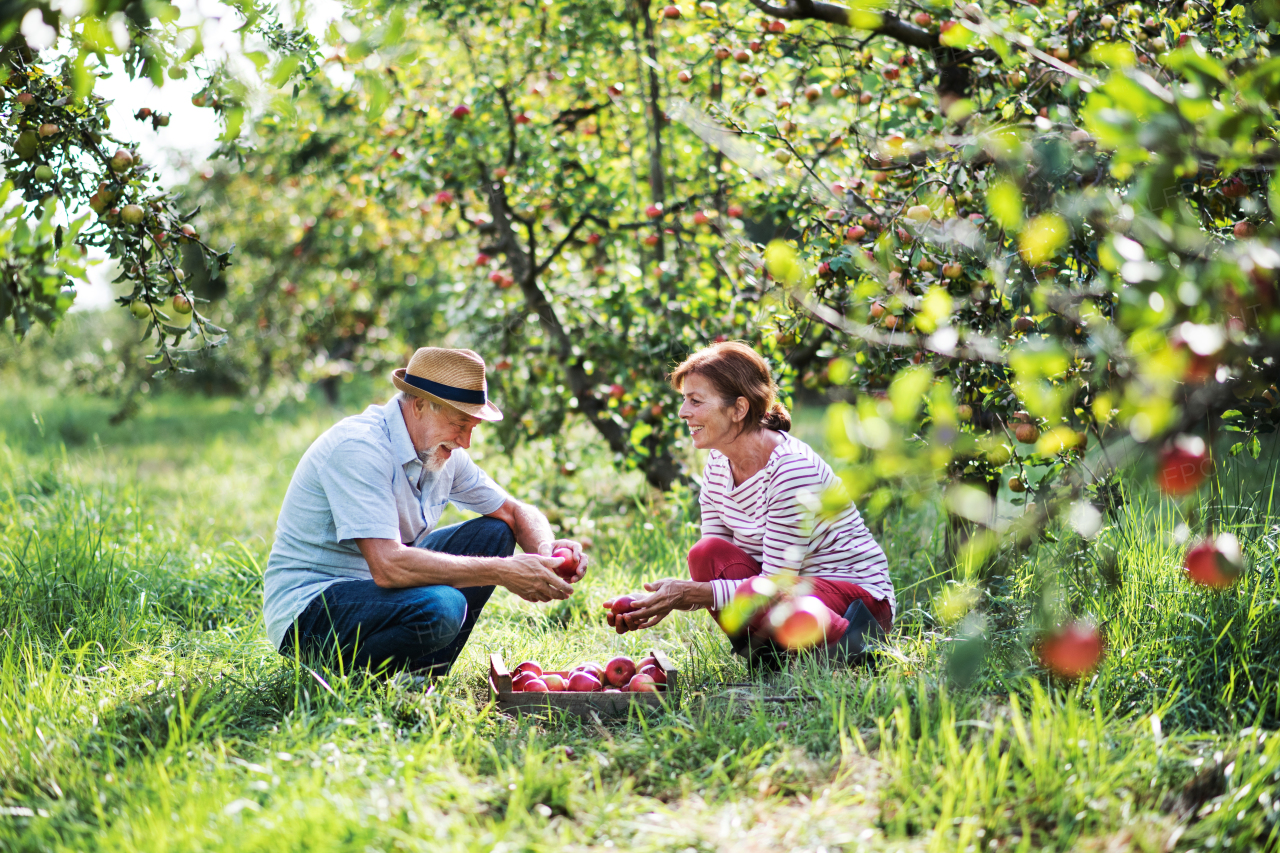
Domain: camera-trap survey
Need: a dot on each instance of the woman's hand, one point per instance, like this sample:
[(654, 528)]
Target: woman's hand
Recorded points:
[(664, 596)]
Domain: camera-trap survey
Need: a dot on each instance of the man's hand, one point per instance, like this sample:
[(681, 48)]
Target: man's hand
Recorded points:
[(548, 548), (533, 578)]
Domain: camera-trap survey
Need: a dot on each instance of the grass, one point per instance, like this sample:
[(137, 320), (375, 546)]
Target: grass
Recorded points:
[(142, 709)]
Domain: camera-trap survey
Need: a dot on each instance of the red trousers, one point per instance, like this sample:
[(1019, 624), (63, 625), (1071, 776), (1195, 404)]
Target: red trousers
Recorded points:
[(713, 558)]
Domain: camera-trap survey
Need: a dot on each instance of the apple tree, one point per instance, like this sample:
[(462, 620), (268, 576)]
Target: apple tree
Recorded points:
[(74, 184)]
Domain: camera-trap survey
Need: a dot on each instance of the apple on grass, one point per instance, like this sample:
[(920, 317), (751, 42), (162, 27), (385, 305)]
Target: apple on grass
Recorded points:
[(619, 671)]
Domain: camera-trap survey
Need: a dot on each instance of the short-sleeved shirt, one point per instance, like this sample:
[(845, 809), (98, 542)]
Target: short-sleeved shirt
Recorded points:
[(361, 479), (769, 516)]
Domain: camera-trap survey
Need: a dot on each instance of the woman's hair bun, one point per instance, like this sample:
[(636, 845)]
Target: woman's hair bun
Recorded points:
[(777, 418)]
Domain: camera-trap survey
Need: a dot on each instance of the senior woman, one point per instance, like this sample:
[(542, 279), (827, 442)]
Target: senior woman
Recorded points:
[(753, 517)]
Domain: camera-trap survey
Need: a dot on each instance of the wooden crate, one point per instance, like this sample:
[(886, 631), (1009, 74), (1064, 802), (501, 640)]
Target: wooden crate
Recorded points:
[(582, 704)]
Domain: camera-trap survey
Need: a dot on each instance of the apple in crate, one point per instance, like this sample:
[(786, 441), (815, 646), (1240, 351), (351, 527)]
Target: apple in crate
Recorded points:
[(654, 672), (521, 680), (619, 671), (591, 667), (584, 682), (642, 683), (532, 667), (555, 683), (536, 685)]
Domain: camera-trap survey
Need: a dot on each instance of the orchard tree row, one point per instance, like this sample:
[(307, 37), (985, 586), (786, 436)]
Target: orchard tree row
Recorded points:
[(1018, 245)]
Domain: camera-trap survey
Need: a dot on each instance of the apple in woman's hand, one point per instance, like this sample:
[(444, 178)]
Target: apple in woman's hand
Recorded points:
[(618, 608)]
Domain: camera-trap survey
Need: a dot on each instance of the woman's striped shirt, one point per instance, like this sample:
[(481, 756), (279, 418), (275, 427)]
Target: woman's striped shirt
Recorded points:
[(766, 516)]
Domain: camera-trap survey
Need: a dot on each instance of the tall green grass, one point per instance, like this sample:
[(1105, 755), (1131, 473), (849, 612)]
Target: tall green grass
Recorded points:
[(141, 708)]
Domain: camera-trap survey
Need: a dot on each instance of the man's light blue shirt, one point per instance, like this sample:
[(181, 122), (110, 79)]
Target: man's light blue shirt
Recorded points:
[(361, 479)]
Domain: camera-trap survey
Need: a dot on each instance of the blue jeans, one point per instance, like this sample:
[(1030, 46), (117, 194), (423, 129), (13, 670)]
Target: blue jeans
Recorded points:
[(416, 628)]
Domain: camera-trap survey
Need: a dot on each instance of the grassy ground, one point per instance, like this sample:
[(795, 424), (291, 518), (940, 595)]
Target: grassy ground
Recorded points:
[(142, 709)]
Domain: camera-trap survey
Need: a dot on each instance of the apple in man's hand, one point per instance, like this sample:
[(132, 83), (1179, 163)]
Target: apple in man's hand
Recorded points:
[(569, 567)]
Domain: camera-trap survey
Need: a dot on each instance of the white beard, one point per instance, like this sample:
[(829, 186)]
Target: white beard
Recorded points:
[(436, 459)]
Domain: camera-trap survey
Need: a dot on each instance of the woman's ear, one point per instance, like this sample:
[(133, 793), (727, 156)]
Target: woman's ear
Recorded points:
[(740, 408)]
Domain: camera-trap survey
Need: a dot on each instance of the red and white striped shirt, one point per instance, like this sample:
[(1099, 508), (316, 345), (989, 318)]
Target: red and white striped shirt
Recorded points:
[(766, 516)]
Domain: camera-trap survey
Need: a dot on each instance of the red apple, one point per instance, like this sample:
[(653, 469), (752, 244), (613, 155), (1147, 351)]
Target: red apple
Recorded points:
[(854, 233), (536, 685), (1244, 229), (723, 53), (1234, 188), (529, 666), (684, 76), (584, 682), (922, 19), (497, 278), (650, 240), (500, 172), (701, 218), (800, 624), (735, 210), (619, 671), (1072, 650), (824, 270), (755, 47), (648, 660), (812, 92), (569, 567), (521, 679), (642, 683), (482, 259), (555, 682), (759, 91), (616, 391), (592, 667), (742, 56), (653, 211), (1183, 466), (461, 111), (1215, 563), (523, 119), (612, 690), (593, 239), (652, 670), (444, 197), (671, 12), (777, 26), (890, 72)]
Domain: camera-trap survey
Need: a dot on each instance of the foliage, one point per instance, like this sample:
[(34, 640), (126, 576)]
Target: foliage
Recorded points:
[(64, 158)]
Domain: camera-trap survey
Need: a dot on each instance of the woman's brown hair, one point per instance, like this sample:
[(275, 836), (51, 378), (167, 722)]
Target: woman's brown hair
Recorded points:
[(736, 370)]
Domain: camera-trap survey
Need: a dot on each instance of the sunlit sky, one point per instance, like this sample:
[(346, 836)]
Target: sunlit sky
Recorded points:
[(185, 146)]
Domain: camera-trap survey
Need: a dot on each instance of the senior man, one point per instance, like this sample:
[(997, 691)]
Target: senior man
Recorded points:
[(358, 572)]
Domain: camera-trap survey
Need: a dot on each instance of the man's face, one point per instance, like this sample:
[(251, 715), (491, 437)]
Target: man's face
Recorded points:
[(437, 434)]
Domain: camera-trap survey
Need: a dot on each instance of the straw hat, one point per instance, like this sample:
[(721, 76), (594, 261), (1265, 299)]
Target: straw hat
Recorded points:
[(454, 377)]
